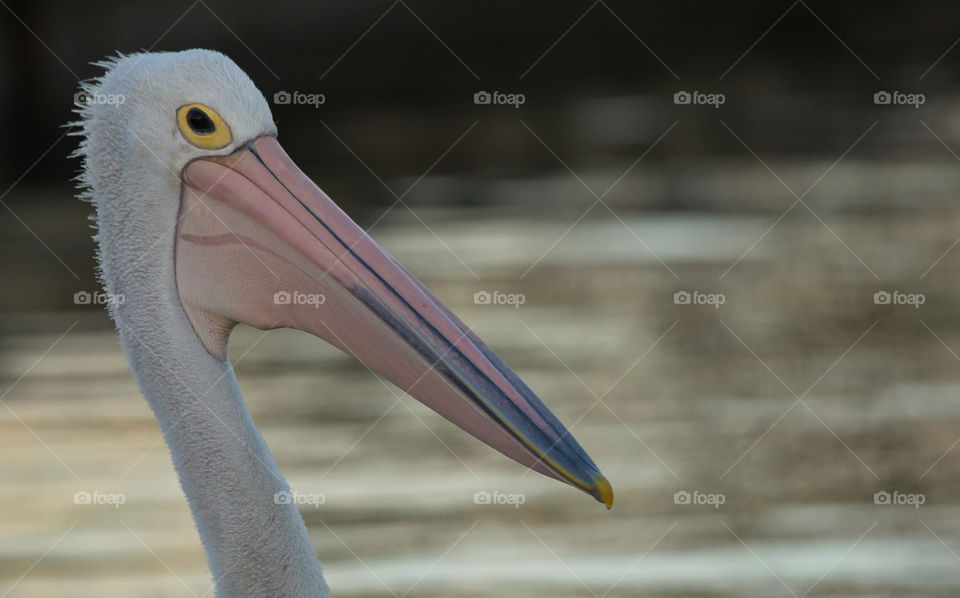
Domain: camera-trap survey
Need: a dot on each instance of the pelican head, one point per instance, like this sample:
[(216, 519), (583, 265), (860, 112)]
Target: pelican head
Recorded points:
[(201, 213)]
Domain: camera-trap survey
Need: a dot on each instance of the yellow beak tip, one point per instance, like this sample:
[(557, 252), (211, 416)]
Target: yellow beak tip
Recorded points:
[(604, 491)]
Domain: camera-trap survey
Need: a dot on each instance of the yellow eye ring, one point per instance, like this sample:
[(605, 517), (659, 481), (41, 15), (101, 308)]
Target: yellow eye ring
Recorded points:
[(201, 126)]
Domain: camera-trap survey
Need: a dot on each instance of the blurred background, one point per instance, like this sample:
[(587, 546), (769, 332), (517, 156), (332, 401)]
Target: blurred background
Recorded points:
[(731, 231)]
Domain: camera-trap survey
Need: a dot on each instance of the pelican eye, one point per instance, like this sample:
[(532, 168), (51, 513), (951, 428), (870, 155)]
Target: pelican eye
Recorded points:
[(202, 127), (199, 122)]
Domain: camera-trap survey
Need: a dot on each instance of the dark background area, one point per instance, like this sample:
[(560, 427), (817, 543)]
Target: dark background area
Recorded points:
[(399, 80)]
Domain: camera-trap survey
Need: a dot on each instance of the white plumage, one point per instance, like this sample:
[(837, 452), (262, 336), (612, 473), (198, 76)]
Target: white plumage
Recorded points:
[(132, 159)]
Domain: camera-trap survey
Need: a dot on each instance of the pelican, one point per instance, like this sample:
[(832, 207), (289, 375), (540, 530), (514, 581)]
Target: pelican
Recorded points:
[(203, 222)]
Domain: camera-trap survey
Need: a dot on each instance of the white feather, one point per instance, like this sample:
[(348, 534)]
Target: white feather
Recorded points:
[(132, 157)]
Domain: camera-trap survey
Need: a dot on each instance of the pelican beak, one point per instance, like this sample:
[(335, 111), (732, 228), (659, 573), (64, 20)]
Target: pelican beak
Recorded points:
[(258, 242)]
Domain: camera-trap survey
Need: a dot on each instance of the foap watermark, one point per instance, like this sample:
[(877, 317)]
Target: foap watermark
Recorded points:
[(498, 298), (288, 497), (899, 98), (498, 498), (699, 98), (499, 98), (896, 497), (89, 98), (299, 98), (696, 497), (898, 298), (97, 298), (298, 298), (699, 298), (95, 497)]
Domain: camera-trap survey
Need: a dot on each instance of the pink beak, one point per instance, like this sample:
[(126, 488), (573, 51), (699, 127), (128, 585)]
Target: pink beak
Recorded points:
[(258, 242)]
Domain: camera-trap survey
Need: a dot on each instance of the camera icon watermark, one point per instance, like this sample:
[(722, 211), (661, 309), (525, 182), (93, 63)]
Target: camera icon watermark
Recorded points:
[(97, 298), (699, 298), (298, 298), (298, 98), (898, 98), (498, 298), (95, 497), (496, 98), (90, 98), (698, 98), (683, 497), (498, 498), (883, 497), (292, 497), (898, 298)]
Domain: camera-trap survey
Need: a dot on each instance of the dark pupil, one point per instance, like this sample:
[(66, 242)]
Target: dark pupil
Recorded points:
[(200, 122)]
